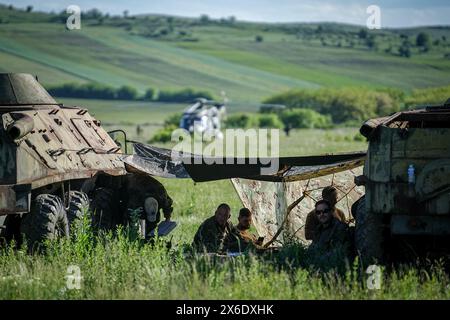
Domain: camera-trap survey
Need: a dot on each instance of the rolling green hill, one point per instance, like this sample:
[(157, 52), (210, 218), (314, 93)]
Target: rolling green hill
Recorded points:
[(174, 53)]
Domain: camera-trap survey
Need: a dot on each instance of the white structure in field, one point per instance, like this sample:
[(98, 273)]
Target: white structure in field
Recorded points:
[(204, 117)]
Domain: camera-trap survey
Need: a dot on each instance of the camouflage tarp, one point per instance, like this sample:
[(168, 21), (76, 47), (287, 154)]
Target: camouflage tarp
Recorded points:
[(166, 163), (268, 196), (269, 201), (155, 161)]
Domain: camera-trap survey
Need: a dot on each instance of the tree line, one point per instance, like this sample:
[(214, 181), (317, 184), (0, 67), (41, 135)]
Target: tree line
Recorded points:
[(354, 105), (101, 91)]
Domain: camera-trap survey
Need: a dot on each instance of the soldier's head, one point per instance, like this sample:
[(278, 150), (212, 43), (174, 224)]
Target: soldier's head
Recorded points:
[(330, 194), (245, 218), (323, 211), (222, 214)]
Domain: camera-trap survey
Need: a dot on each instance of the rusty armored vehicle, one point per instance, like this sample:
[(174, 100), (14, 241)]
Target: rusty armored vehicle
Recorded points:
[(56, 161), (405, 212)]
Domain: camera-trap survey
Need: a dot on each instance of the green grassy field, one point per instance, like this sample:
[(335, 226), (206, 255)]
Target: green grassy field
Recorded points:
[(222, 58), (121, 267), (217, 58)]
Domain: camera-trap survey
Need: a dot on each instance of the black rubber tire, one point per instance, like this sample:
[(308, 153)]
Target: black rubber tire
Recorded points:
[(105, 209), (47, 220), (369, 235), (78, 206)]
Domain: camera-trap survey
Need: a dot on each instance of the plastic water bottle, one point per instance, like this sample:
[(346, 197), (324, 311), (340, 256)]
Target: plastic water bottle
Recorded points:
[(411, 175), (411, 181)]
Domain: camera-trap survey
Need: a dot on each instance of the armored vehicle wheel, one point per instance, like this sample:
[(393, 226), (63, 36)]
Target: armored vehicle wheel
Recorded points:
[(47, 220), (368, 234), (78, 205), (105, 208)]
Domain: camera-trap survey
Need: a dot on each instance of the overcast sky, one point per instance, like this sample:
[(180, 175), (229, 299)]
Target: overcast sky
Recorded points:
[(400, 13)]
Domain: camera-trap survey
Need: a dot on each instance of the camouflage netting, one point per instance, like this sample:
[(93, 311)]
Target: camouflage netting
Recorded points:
[(155, 161), (269, 201), (267, 196)]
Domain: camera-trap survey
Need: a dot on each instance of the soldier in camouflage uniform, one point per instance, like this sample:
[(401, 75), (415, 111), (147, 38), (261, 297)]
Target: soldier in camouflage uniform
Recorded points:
[(213, 232), (332, 237), (312, 222), (149, 194), (241, 238)]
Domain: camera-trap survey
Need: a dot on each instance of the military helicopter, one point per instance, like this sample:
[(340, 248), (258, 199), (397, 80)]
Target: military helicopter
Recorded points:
[(204, 117)]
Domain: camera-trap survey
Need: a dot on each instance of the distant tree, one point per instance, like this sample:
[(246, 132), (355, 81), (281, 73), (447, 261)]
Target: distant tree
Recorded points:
[(304, 118), (427, 96), (259, 38), (342, 104), (163, 135), (362, 34), (170, 24), (149, 94), (10, 7), (60, 17), (88, 90), (319, 29), (173, 120), (269, 121), (185, 95), (93, 14), (423, 40), (125, 13), (164, 31), (127, 93), (231, 19), (29, 8), (204, 19), (242, 120)]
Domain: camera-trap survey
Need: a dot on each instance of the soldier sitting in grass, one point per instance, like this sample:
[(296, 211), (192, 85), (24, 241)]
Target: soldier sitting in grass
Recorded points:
[(332, 237), (211, 234), (312, 222), (241, 238)]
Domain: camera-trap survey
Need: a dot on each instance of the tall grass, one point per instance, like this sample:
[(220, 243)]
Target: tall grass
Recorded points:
[(123, 266)]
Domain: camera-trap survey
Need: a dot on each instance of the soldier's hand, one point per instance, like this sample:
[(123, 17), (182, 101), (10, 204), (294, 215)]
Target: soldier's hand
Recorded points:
[(168, 213)]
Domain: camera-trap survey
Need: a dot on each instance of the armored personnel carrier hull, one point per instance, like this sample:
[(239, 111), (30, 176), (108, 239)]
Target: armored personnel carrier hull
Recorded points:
[(56, 162)]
